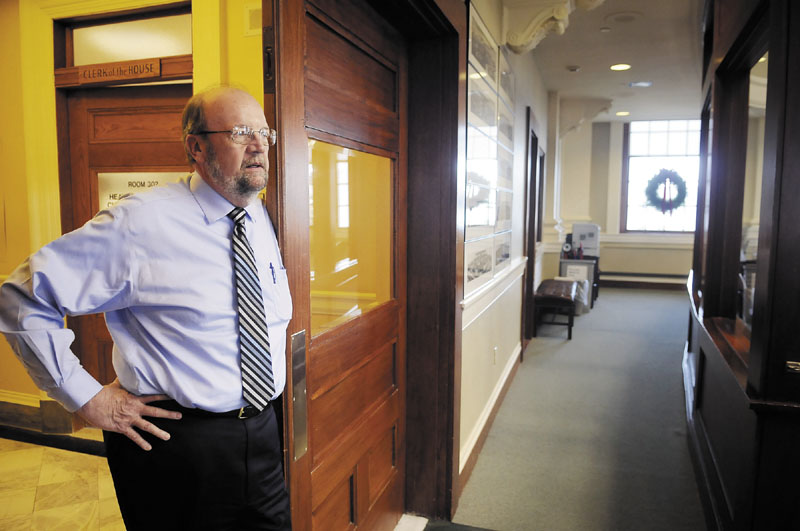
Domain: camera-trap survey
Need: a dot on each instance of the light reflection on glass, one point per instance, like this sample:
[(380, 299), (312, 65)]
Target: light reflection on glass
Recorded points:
[(350, 233)]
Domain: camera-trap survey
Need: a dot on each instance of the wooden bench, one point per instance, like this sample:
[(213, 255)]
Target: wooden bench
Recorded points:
[(556, 297)]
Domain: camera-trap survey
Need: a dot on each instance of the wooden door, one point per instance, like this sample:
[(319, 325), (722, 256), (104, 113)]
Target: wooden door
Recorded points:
[(342, 158), (120, 140)]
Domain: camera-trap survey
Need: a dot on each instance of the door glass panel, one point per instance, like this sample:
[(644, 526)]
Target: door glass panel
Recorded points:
[(751, 206), (350, 233), (113, 186)]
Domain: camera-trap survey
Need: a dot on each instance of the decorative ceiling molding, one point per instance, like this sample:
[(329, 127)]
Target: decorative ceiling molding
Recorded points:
[(531, 21), (574, 112)]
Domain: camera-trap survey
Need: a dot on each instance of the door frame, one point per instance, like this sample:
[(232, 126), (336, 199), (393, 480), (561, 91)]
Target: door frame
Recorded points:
[(532, 233), (436, 31)]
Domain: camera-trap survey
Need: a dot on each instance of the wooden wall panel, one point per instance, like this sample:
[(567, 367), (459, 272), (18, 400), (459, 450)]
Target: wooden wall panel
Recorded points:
[(334, 412), (337, 511), (343, 350), (381, 463), (135, 124), (346, 454), (349, 90), (726, 416), (376, 84), (437, 131)]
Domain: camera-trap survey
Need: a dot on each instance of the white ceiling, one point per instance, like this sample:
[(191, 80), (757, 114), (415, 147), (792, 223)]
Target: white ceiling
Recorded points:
[(660, 39)]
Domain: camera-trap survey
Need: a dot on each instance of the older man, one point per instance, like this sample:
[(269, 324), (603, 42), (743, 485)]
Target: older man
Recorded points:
[(196, 299)]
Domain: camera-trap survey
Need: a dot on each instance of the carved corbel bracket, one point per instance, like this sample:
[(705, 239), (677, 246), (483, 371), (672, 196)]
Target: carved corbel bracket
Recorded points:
[(541, 17), (574, 112)]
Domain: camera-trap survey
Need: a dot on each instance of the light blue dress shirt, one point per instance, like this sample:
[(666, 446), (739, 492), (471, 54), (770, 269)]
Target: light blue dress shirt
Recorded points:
[(159, 265)]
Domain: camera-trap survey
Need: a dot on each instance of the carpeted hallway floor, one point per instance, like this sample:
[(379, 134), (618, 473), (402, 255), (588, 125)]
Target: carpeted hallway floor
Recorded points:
[(592, 434)]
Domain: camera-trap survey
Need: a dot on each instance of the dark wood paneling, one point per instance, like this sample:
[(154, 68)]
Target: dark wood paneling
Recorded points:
[(778, 499), (377, 82), (437, 102), (380, 515), (698, 254), (730, 18), (159, 154), (149, 123), (352, 74), (349, 449), (341, 351), (726, 193), (172, 68), (335, 411), (348, 91), (382, 464), (290, 210), (730, 428), (776, 339), (337, 511)]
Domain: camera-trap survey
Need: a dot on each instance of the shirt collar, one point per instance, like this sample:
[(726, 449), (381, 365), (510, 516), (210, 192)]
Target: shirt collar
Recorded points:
[(213, 205)]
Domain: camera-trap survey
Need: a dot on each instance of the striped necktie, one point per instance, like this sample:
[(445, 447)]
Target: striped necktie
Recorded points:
[(258, 384)]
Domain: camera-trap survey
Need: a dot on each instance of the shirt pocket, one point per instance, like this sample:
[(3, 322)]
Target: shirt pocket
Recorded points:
[(284, 298)]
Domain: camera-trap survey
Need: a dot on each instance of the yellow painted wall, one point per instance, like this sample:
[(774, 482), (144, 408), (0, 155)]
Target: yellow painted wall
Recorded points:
[(226, 50)]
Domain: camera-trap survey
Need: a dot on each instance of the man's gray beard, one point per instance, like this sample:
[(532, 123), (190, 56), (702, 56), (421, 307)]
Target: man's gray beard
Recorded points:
[(240, 181)]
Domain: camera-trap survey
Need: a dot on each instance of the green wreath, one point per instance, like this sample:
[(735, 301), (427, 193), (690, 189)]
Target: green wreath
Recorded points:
[(665, 202)]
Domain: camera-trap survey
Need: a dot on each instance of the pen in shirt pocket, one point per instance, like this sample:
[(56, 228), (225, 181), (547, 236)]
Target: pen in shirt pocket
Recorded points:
[(272, 268)]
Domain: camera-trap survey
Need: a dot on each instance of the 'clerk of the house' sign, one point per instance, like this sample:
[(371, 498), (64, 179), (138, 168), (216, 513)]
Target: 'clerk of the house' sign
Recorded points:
[(141, 69)]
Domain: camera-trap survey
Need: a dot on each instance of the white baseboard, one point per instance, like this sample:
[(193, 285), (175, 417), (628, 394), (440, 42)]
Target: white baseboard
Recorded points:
[(469, 446)]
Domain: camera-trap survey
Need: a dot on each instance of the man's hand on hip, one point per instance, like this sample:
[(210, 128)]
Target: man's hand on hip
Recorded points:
[(115, 409)]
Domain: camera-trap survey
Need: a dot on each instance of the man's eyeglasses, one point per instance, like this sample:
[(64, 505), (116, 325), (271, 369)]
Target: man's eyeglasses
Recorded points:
[(242, 134)]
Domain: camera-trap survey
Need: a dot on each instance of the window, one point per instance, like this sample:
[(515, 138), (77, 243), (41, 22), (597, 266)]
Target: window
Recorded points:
[(660, 171)]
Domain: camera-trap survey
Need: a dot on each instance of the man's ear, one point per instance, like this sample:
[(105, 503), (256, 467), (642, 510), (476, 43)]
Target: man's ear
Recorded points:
[(196, 148)]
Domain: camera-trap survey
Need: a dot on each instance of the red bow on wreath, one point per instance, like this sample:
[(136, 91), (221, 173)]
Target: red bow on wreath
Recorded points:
[(666, 203)]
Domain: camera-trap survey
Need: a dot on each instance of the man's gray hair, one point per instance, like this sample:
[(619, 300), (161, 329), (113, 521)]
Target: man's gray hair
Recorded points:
[(193, 120)]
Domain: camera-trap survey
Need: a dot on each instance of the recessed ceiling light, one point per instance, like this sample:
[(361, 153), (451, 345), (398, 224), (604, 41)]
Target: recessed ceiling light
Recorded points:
[(573, 68), (605, 29), (623, 113), (763, 59), (640, 84), (620, 67)]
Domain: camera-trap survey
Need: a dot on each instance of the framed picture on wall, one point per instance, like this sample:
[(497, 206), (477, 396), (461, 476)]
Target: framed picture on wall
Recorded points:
[(502, 251), (490, 159), (483, 51), (505, 125), (506, 79), (504, 211), (478, 263), (481, 214), (482, 104)]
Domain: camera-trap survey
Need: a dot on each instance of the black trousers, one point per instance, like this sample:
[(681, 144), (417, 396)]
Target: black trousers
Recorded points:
[(214, 473)]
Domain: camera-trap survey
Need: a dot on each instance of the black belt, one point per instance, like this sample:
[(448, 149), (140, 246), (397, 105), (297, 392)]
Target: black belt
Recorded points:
[(243, 413)]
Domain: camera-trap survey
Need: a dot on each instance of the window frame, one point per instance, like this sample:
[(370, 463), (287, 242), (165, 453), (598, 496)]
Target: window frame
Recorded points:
[(623, 214)]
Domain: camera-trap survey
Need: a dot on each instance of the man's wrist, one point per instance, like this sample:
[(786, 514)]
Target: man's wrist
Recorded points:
[(77, 390)]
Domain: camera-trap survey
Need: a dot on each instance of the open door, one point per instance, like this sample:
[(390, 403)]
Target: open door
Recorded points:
[(341, 121)]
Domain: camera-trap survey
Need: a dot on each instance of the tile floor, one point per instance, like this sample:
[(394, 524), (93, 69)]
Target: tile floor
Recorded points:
[(48, 489), (44, 488)]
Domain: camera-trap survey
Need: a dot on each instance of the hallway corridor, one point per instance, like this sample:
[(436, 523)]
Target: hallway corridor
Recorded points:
[(592, 435)]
